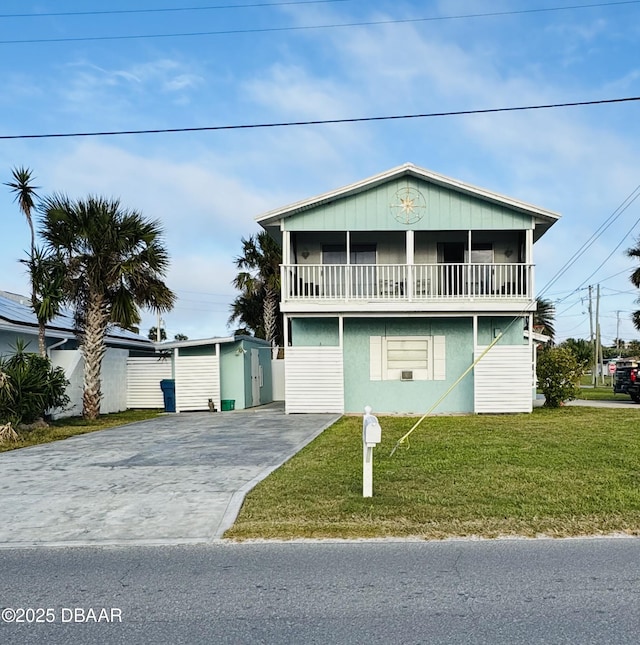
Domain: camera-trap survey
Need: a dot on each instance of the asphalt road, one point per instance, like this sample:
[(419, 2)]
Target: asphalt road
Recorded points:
[(509, 591)]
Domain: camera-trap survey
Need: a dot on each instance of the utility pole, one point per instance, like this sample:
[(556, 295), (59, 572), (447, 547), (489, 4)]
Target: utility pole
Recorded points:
[(597, 345), (618, 332), (593, 347)]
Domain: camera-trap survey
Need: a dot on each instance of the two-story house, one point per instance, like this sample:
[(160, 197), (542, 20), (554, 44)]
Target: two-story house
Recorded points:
[(394, 285)]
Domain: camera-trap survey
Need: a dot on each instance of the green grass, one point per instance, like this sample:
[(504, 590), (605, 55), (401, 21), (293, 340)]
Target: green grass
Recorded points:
[(572, 471), (64, 428), (602, 393)]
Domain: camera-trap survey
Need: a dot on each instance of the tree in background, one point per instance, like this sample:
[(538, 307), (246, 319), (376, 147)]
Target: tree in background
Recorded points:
[(114, 262), (257, 308), (635, 280), (544, 318), (153, 334), (582, 349), (181, 337)]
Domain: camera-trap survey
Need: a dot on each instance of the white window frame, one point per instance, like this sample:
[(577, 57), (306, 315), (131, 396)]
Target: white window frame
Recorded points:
[(379, 369), (419, 373)]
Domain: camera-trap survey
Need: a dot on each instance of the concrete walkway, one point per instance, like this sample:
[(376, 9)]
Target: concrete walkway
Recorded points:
[(175, 479)]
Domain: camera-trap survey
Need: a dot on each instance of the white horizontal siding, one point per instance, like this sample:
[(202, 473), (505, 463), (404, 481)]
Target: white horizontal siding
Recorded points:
[(143, 381), (197, 381), (314, 379), (503, 379)]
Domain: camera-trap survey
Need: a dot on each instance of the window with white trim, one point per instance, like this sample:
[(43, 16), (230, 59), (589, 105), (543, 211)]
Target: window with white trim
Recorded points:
[(407, 358)]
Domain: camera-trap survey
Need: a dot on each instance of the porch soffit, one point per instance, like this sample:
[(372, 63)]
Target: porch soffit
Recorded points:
[(451, 204)]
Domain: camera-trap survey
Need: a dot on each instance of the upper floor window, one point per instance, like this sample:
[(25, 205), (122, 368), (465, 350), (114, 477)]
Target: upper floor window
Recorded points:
[(337, 254)]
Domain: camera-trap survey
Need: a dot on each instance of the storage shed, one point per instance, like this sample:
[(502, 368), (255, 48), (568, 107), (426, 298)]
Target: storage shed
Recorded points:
[(233, 372)]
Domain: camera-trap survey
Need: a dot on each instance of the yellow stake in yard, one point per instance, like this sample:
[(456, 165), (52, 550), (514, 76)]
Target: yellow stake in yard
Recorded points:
[(446, 394)]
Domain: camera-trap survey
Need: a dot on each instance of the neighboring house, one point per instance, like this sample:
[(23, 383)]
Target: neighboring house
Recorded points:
[(224, 370), (18, 321), (394, 285)]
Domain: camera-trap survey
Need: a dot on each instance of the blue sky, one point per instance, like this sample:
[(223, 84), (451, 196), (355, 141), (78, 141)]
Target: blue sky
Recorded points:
[(207, 187)]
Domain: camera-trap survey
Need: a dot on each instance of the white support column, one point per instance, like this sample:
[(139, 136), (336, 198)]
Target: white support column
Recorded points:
[(529, 261), (219, 401), (286, 247), (285, 333), (475, 332), (341, 332), (348, 269), (470, 285), (410, 254), (176, 357)]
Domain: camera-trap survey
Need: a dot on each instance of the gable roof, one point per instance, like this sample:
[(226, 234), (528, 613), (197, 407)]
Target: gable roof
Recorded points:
[(16, 315), (543, 216)]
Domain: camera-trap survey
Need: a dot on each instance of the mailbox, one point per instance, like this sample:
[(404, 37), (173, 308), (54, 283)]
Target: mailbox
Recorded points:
[(371, 430)]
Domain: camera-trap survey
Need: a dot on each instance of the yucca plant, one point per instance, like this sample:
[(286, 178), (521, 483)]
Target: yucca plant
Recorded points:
[(29, 386)]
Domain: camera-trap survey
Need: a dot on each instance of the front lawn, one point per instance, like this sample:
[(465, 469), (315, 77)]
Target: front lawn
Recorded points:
[(571, 471), (64, 428), (602, 393)]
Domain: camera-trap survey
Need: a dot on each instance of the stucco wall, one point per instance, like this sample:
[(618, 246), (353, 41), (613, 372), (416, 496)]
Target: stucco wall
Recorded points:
[(407, 396)]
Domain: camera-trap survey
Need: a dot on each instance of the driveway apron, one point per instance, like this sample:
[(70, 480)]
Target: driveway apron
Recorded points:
[(178, 478)]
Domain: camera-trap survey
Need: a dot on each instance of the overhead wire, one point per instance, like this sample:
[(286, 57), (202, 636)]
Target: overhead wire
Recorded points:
[(368, 119), (368, 23), (111, 12)]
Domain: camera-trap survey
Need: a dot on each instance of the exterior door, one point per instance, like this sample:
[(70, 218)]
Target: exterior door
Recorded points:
[(255, 377)]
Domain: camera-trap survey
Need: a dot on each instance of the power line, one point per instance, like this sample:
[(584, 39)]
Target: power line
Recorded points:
[(111, 12), (255, 126), (370, 23), (598, 232)]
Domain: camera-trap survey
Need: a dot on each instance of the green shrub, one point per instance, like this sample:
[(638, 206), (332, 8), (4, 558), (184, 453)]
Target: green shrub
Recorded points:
[(29, 386), (559, 373)]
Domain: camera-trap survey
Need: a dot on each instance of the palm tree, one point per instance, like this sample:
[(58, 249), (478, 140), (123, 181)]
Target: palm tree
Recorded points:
[(544, 318), (635, 279), (47, 273), (114, 262), (26, 195), (259, 282)]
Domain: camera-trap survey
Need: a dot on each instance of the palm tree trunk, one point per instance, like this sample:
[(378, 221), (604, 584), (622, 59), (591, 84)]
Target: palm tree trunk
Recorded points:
[(270, 321), (93, 350), (42, 345)]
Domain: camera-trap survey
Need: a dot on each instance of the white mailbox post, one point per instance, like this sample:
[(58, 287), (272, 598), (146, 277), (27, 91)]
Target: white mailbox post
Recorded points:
[(371, 436)]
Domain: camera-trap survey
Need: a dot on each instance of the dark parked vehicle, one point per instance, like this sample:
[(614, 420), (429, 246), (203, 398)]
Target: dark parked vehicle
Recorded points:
[(627, 378)]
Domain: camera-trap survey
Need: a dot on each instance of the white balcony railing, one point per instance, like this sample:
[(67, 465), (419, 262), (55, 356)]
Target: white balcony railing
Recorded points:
[(414, 282)]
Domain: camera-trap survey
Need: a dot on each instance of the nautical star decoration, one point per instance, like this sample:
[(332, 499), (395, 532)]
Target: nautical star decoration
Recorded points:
[(408, 205)]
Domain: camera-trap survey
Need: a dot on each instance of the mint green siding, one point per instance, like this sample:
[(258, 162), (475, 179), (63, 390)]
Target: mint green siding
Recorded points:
[(232, 375), (315, 332), (407, 396), (446, 210), (513, 331)]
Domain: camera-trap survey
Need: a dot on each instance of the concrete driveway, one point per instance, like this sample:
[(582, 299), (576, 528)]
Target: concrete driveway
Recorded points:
[(175, 479)]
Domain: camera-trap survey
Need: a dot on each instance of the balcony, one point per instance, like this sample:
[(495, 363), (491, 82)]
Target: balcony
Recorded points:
[(394, 285)]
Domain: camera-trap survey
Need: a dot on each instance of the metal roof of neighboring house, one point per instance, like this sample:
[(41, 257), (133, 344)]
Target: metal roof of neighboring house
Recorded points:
[(198, 342), (541, 214), (16, 315)]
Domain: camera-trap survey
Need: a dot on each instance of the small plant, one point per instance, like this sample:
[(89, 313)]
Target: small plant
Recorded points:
[(8, 434), (29, 386), (559, 373)]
